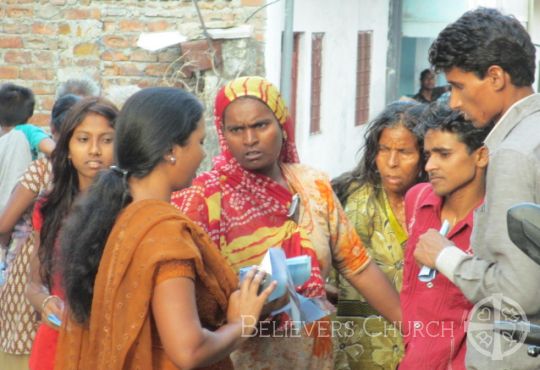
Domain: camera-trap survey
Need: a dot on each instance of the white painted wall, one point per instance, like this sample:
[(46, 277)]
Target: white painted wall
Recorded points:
[(335, 149)]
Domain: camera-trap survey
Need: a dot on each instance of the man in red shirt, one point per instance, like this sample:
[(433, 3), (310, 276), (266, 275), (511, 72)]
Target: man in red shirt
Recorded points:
[(435, 311)]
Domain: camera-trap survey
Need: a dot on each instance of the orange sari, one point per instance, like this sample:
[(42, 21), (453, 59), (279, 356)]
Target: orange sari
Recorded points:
[(121, 334)]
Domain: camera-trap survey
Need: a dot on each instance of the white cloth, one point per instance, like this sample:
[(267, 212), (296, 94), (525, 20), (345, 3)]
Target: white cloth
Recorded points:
[(15, 157)]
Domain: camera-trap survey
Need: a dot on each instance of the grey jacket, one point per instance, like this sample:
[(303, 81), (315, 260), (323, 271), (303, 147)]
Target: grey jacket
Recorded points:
[(499, 274)]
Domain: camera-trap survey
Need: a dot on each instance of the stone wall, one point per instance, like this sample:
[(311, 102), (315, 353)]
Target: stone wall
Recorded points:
[(45, 42)]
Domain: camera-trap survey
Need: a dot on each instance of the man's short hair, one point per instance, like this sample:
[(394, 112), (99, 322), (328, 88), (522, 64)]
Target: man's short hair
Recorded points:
[(438, 116), (426, 72), (484, 37), (16, 104)]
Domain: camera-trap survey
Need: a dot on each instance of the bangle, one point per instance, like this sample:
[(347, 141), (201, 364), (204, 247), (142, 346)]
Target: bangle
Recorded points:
[(46, 300)]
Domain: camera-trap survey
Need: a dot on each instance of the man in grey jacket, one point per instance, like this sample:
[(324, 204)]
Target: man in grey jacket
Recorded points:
[(489, 60)]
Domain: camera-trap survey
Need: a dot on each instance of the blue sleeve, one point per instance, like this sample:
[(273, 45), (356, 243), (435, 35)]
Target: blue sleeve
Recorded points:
[(33, 134)]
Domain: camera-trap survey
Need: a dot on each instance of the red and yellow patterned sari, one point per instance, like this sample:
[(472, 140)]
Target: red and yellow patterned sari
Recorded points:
[(246, 213)]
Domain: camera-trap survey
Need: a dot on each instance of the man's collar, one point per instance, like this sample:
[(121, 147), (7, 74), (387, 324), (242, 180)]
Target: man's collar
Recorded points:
[(511, 118)]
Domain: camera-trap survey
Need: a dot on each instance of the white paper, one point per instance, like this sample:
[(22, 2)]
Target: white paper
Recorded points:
[(159, 40)]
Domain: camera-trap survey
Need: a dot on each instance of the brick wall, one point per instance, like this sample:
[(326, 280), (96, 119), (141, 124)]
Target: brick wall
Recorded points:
[(48, 41)]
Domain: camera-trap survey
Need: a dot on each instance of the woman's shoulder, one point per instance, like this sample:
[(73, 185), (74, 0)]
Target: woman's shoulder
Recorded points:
[(151, 210), (305, 171), (157, 220), (194, 197), (361, 191)]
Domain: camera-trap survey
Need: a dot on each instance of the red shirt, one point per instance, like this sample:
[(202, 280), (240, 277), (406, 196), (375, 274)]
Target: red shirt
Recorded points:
[(44, 347), (434, 313)]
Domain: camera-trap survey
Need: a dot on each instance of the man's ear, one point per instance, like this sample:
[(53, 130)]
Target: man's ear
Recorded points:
[(482, 156), (497, 77)]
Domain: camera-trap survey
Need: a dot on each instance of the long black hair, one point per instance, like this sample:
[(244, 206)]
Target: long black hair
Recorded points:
[(403, 113), (150, 123), (65, 182)]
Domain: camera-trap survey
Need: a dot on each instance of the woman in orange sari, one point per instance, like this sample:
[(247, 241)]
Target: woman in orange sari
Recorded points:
[(258, 196), (145, 287)]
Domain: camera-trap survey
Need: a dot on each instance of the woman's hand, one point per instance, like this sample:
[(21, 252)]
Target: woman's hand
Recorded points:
[(245, 305), (53, 306)]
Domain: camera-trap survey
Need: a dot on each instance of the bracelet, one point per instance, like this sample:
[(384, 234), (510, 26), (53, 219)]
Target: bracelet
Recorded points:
[(46, 300)]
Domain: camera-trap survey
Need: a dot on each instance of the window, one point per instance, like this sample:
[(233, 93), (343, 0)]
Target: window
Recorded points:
[(363, 71), (294, 76), (316, 79)]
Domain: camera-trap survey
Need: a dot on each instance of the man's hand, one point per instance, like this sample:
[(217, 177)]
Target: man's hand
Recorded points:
[(429, 245)]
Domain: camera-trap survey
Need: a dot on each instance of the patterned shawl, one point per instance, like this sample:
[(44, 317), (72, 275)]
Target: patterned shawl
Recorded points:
[(245, 213)]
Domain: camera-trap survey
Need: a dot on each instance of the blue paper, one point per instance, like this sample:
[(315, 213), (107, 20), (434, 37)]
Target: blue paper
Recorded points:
[(289, 273), (427, 274), (53, 319)]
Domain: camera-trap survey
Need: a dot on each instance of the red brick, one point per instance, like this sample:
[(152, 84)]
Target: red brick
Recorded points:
[(114, 56), (259, 36), (148, 82), (11, 42), (116, 42), (64, 29), (143, 56), (40, 119), (43, 29), (157, 70), (109, 70), (94, 63), (109, 26), (41, 43), (17, 57), (18, 12), (15, 28), (251, 2), (169, 55), (37, 74), (44, 56), (46, 102), (126, 69), (43, 88), (9, 73), (85, 49), (158, 26), (83, 14), (130, 26), (227, 17)]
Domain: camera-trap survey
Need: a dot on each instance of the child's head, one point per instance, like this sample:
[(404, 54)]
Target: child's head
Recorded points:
[(16, 105), (59, 112), (85, 142)]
